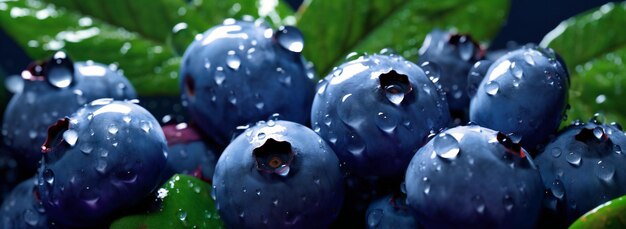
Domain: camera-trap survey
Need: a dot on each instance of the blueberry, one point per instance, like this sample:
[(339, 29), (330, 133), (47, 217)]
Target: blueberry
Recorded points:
[(21, 209), (524, 93), (188, 152), (375, 111), (390, 212), (278, 174), (107, 156), (448, 57), (582, 168), (241, 72), (52, 90), (473, 177)]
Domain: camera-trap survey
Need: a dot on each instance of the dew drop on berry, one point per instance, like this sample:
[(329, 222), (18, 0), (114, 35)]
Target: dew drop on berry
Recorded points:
[(508, 202), (446, 146), (348, 111), (557, 189), (14, 84), (283, 170), (112, 129), (232, 60), (516, 70), (355, 146), (260, 136), (31, 217), (86, 148), (573, 158), (386, 123), (556, 152), (90, 197), (431, 70), (48, 176), (60, 70), (529, 58), (374, 217), (605, 171), (290, 38), (32, 134), (70, 136), (394, 94), (598, 132), (492, 87), (101, 165)]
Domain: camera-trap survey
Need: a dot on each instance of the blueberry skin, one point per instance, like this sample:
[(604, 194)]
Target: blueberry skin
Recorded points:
[(31, 111), (309, 195), (453, 56), (106, 157), (390, 212), (21, 210), (188, 153), (469, 177), (239, 72), (524, 93), (581, 169), (373, 130)]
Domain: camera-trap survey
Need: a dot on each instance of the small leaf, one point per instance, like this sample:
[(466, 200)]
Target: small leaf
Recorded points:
[(186, 203), (332, 29), (594, 52)]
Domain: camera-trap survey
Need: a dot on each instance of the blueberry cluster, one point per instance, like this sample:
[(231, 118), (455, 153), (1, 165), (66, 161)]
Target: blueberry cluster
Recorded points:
[(456, 139)]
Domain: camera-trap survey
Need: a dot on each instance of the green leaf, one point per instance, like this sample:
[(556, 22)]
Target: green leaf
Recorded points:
[(611, 214), (332, 29), (187, 204), (594, 52), (135, 35)]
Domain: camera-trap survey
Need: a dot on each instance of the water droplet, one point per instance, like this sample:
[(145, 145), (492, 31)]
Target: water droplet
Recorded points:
[(14, 84), (261, 136), (31, 217), (349, 111), (605, 171), (529, 58), (32, 134), (574, 158), (86, 148), (446, 146), (275, 202), (219, 77), (386, 123), (351, 56), (70, 136), (101, 165), (48, 176), (126, 119), (232, 98), (374, 217), (394, 94), (556, 152), (492, 87), (283, 170), (466, 48), (290, 38), (356, 146), (508, 202), (516, 70), (431, 70), (598, 132), (59, 70), (600, 99), (112, 129), (557, 189), (182, 215), (427, 189), (233, 60), (144, 125)]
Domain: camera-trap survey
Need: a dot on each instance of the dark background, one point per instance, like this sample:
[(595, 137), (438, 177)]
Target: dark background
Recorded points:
[(528, 21)]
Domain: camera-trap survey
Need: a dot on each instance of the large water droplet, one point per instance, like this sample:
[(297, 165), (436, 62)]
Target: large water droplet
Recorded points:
[(598, 132), (59, 70), (182, 215), (283, 170), (605, 171), (492, 87), (386, 123), (70, 136), (374, 217), (557, 189), (446, 146), (394, 94), (290, 38), (349, 111), (574, 158), (233, 60)]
